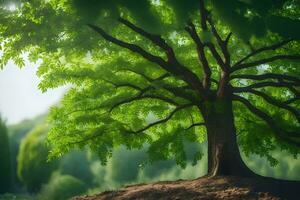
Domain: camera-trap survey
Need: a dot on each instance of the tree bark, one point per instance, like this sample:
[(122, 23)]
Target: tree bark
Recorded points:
[(223, 152)]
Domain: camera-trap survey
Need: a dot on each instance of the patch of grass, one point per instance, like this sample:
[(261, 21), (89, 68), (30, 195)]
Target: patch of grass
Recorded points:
[(15, 197)]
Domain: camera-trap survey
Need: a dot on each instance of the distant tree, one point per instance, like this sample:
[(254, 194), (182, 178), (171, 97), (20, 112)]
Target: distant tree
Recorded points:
[(163, 70), (33, 168), (5, 161), (16, 133)]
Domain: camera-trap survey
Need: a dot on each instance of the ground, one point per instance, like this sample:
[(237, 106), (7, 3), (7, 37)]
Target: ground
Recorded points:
[(225, 188)]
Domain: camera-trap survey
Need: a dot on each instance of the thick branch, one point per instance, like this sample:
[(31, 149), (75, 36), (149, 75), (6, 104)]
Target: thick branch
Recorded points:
[(141, 97), (172, 66), (222, 43), (203, 15), (201, 55), (204, 20), (266, 76), (292, 100), (280, 133), (267, 48), (131, 47), (156, 39), (293, 90), (265, 84), (178, 108), (165, 119), (224, 65), (217, 57), (277, 103), (265, 61), (178, 69), (182, 92), (177, 91)]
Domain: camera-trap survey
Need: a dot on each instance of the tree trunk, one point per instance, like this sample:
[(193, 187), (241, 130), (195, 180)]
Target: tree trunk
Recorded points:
[(223, 152)]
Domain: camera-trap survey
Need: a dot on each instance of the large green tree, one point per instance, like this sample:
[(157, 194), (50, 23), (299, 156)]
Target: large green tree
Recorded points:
[(163, 72)]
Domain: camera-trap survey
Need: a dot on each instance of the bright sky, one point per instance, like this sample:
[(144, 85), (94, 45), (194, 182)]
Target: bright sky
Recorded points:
[(20, 97)]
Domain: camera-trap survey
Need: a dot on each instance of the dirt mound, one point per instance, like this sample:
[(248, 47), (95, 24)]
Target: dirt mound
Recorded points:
[(226, 188)]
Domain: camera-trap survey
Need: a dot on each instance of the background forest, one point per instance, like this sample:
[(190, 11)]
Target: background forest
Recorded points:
[(80, 172)]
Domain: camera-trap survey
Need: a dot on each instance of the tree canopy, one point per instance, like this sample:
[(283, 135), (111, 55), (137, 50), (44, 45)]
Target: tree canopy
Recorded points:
[(156, 61)]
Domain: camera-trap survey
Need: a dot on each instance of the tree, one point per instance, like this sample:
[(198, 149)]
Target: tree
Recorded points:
[(16, 133), (5, 162), (32, 159), (166, 70)]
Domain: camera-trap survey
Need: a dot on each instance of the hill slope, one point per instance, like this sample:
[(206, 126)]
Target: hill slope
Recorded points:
[(232, 188)]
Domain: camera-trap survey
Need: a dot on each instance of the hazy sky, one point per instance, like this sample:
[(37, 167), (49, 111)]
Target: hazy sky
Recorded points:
[(20, 97)]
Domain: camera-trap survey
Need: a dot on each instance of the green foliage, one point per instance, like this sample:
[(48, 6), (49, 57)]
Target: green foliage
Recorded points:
[(62, 187), (5, 160), (99, 111), (255, 18), (254, 135), (32, 159)]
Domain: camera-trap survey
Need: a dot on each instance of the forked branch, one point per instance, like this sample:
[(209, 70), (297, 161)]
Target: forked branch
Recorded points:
[(262, 49), (142, 97), (201, 54), (156, 39), (288, 85), (172, 65), (265, 61), (203, 15), (292, 100), (132, 47), (261, 77), (224, 65), (276, 103), (223, 44), (286, 136)]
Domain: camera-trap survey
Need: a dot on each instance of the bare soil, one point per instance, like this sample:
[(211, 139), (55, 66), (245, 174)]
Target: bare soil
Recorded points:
[(206, 188)]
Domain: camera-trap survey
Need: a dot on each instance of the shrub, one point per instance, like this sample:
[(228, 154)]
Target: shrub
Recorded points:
[(62, 187)]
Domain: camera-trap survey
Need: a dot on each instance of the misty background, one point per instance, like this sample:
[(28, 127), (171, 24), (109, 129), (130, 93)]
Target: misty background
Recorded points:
[(20, 97)]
